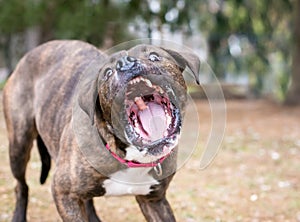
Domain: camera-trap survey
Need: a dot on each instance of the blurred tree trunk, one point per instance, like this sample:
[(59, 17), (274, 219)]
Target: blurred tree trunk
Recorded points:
[(47, 24), (293, 95), (7, 53)]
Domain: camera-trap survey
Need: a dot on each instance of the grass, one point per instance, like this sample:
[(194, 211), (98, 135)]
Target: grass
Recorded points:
[(255, 176)]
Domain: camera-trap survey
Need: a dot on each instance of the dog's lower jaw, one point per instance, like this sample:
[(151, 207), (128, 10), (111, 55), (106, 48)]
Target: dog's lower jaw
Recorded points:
[(133, 154)]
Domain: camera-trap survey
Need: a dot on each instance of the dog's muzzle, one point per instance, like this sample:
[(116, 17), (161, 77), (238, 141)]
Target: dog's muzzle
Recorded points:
[(148, 107)]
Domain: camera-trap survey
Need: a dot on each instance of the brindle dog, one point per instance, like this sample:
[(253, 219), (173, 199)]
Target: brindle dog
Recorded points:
[(95, 116)]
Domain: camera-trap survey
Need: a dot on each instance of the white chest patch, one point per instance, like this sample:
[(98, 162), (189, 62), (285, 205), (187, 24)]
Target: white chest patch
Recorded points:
[(131, 181)]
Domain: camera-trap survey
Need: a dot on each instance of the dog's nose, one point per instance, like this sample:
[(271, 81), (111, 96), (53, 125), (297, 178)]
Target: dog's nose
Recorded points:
[(125, 63)]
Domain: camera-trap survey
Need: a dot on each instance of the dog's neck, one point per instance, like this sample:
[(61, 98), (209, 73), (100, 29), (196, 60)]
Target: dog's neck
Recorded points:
[(115, 144)]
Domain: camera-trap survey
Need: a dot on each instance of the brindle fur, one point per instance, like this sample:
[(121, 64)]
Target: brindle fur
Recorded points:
[(38, 105)]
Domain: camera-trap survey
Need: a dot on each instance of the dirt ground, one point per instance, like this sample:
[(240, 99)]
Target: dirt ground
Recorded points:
[(255, 177)]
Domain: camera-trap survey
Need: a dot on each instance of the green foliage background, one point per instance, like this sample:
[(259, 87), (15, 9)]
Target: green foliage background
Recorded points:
[(264, 29)]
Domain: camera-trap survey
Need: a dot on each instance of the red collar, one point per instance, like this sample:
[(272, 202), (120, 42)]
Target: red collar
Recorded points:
[(133, 164)]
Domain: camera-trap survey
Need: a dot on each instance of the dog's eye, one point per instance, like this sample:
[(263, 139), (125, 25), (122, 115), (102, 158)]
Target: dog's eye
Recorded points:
[(107, 73), (153, 56)]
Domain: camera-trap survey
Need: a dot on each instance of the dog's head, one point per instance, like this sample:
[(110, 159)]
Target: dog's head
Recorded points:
[(142, 94)]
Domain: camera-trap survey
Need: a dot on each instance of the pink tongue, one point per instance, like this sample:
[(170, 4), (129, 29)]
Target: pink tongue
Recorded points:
[(154, 121)]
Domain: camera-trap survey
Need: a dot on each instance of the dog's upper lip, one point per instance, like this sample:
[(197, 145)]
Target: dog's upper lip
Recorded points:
[(139, 68)]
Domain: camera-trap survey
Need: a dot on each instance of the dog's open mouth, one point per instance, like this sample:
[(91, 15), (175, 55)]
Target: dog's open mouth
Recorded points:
[(153, 117)]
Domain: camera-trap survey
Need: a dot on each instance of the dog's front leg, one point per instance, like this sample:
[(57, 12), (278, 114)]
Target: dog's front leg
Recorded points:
[(91, 211), (156, 210), (69, 206)]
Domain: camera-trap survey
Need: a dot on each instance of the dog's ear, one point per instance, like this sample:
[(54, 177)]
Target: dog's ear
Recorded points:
[(87, 87), (88, 96), (186, 59)]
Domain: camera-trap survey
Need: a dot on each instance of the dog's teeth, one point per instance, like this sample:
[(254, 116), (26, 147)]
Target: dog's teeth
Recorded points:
[(137, 130), (166, 134), (138, 79), (158, 89), (169, 119), (166, 149), (148, 82)]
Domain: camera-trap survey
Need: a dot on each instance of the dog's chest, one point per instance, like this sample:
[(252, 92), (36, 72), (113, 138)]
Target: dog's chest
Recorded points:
[(131, 181)]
